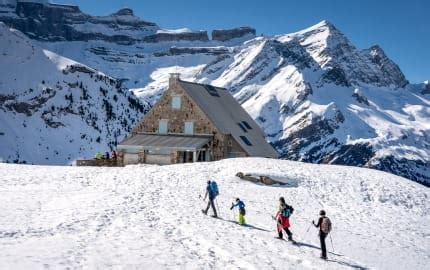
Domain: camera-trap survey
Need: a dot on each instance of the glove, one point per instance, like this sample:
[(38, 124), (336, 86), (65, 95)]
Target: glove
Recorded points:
[(231, 208), (313, 222)]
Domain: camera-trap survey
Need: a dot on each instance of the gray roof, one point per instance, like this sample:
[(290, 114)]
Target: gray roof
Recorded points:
[(155, 141), (226, 114)]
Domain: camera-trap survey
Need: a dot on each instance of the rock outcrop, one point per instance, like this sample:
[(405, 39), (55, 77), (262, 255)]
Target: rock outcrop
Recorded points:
[(227, 34), (54, 22), (426, 88)]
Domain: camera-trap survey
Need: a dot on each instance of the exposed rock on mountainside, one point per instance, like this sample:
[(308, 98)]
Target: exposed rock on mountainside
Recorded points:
[(53, 22), (426, 88), (227, 34)]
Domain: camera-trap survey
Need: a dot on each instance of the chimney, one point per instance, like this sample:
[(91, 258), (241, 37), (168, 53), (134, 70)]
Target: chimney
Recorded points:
[(174, 78)]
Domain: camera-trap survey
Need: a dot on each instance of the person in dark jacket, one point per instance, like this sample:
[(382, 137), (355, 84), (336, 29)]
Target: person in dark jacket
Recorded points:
[(322, 235), (283, 219), (113, 155), (241, 206), (211, 193)]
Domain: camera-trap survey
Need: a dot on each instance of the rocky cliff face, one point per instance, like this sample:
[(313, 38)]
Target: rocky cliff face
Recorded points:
[(52, 22), (227, 34), (426, 88), (318, 97)]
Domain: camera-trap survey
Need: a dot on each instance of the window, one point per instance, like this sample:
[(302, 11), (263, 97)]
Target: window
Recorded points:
[(162, 127), (245, 140), (176, 102), (189, 128), (242, 127), (212, 90), (246, 125)]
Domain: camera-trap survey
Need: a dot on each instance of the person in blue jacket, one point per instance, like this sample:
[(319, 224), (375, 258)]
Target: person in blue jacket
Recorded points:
[(211, 192), (241, 206)]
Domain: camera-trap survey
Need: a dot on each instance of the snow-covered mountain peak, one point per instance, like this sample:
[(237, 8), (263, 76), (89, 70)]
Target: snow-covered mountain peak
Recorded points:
[(323, 26), (323, 31)]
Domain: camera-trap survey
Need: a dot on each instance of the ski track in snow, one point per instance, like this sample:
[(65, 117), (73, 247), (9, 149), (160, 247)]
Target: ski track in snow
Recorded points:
[(149, 217)]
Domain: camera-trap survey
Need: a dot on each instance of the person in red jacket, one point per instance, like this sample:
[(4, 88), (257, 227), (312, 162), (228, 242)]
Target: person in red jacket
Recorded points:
[(283, 219)]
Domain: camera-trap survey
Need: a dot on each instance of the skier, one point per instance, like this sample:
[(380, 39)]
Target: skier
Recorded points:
[(242, 211), (283, 219), (211, 192), (106, 156), (324, 225)]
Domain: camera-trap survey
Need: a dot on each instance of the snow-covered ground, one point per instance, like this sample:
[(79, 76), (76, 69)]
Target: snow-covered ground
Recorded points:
[(148, 217)]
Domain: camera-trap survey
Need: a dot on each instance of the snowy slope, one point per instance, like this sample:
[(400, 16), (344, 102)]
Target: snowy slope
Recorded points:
[(148, 217), (54, 110), (318, 98)]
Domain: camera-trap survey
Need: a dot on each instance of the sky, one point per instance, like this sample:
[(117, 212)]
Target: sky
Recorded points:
[(401, 28)]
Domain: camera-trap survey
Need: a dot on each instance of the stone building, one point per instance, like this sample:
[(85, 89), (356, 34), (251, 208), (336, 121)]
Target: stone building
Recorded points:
[(194, 122)]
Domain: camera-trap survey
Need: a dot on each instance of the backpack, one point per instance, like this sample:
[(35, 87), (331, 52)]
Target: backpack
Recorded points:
[(326, 225), (287, 211), (214, 188)]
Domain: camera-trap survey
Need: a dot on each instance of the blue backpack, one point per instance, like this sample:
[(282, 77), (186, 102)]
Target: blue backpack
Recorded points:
[(214, 189), (287, 211)]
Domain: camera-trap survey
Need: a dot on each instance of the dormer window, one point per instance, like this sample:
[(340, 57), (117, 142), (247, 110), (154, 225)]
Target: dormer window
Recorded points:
[(176, 102)]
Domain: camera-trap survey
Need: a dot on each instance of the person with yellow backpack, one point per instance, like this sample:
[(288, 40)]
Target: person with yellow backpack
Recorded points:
[(241, 206)]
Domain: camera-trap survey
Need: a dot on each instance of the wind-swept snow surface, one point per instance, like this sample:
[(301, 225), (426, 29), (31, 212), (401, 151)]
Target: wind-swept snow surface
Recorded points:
[(149, 217)]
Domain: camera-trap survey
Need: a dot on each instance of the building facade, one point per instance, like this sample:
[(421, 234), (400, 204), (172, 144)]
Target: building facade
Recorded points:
[(194, 122)]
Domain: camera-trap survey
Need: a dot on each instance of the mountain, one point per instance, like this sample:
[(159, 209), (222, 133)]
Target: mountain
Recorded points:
[(54, 109), (148, 217), (318, 97)]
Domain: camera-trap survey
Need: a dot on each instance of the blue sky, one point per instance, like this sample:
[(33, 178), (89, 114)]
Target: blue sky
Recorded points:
[(401, 28)]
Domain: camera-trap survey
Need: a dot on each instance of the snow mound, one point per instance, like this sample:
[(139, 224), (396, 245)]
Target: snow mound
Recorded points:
[(80, 217)]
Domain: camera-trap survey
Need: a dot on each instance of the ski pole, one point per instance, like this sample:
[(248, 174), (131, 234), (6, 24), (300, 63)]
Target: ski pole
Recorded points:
[(331, 243), (216, 201), (308, 229)]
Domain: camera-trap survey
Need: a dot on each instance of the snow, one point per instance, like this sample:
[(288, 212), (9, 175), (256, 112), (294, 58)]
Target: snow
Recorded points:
[(147, 216), (174, 31)]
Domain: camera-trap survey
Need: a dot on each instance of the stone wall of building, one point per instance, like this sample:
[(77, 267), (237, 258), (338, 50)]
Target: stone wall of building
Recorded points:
[(99, 162), (189, 111)]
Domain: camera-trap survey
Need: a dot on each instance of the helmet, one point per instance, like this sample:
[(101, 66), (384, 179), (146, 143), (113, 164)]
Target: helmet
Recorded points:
[(322, 213), (237, 199)]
